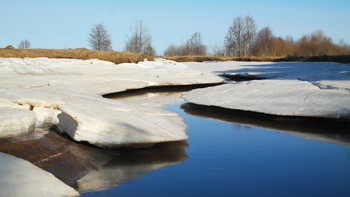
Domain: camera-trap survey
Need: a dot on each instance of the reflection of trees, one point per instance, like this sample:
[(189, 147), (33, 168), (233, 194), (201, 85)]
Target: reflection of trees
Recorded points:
[(322, 129)]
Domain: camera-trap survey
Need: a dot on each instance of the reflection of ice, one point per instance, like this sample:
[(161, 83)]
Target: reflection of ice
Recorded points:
[(110, 176), (328, 130), (241, 127), (132, 164), (155, 99)]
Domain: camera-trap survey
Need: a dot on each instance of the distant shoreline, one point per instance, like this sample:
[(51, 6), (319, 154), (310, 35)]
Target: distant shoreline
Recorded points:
[(325, 58), (128, 57)]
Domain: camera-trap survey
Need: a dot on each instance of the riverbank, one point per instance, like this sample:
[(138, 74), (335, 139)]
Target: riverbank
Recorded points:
[(80, 53), (128, 57), (325, 58)]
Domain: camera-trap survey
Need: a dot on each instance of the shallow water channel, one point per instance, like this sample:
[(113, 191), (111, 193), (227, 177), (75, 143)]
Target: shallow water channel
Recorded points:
[(230, 153)]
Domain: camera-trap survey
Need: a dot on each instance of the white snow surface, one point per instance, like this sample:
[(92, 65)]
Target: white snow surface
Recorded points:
[(75, 88), (21, 178), (317, 89), (14, 121), (278, 97)]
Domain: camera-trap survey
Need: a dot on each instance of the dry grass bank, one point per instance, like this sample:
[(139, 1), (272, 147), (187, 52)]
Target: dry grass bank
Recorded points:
[(333, 58), (82, 53), (128, 57)]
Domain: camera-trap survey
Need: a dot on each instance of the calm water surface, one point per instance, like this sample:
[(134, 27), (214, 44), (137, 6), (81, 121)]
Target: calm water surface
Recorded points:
[(224, 158)]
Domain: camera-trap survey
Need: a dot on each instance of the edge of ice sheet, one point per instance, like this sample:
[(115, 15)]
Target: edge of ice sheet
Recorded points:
[(48, 86), (278, 97), (118, 125), (15, 121)]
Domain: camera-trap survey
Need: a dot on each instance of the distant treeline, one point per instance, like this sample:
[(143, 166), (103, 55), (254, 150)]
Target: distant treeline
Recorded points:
[(243, 40)]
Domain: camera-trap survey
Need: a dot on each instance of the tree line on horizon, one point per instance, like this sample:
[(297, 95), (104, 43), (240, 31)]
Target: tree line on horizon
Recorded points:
[(242, 39), (139, 40)]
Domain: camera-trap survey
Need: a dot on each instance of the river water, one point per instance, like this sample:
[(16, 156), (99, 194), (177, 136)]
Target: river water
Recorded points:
[(232, 153)]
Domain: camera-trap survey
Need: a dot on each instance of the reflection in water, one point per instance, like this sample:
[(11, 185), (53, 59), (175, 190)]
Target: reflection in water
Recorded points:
[(238, 127), (335, 131), (85, 167), (132, 164), (312, 128), (157, 97), (226, 163)]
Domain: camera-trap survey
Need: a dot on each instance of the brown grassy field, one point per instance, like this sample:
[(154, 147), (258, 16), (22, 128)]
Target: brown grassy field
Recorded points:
[(82, 53), (128, 57)]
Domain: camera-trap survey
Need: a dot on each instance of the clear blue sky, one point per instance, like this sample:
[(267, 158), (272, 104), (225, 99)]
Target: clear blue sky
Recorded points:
[(67, 23)]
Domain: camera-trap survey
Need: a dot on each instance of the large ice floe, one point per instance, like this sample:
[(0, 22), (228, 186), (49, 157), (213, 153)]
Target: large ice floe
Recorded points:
[(278, 97), (39, 92), (309, 89), (21, 178)]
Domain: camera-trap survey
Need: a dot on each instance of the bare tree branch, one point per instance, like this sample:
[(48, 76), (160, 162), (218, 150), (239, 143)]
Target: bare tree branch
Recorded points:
[(193, 46), (24, 44), (240, 37), (99, 39), (140, 40)]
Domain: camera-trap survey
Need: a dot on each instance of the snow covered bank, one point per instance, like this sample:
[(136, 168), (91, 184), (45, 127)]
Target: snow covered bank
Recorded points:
[(278, 97), (49, 86), (21, 178)]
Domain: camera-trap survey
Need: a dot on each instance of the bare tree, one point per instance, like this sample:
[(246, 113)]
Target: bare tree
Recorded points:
[(195, 45), (99, 39), (343, 47), (234, 38), (171, 50), (240, 36), (140, 40), (249, 35), (315, 44), (217, 50), (149, 50), (264, 42), (24, 44)]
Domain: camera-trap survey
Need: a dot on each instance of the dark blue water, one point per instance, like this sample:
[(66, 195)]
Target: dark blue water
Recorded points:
[(231, 159)]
